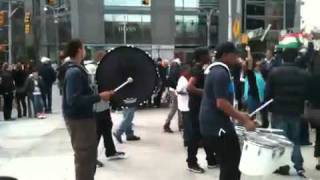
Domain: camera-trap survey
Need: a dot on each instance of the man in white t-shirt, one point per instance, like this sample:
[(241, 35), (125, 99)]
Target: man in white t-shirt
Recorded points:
[(183, 99)]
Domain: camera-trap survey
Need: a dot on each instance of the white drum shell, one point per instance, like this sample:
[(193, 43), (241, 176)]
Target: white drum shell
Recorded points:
[(257, 160)]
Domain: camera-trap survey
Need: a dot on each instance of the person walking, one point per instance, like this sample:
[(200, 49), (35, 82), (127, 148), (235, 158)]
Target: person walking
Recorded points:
[(104, 123), (287, 85), (126, 126), (34, 88), (49, 77), (174, 74), (77, 107)]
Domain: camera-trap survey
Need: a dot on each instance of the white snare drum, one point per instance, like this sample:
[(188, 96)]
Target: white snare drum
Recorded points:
[(288, 145), (260, 155)]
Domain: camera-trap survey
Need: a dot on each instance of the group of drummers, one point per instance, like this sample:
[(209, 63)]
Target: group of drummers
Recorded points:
[(206, 96)]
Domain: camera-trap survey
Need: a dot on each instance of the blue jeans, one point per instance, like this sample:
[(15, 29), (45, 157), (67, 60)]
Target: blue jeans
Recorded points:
[(126, 124), (38, 104), (291, 125)]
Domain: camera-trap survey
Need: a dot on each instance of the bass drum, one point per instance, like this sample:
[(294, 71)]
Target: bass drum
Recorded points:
[(121, 63)]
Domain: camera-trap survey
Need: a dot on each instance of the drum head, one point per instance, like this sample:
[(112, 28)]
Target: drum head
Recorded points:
[(121, 63)]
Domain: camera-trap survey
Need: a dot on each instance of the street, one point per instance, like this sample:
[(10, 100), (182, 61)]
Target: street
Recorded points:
[(40, 150)]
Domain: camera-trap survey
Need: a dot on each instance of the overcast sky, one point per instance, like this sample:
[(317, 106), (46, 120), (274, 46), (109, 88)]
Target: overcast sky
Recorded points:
[(311, 12)]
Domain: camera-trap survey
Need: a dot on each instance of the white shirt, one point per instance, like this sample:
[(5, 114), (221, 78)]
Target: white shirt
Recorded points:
[(182, 94)]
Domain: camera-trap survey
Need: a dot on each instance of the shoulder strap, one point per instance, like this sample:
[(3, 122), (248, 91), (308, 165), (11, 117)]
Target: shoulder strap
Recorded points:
[(208, 69)]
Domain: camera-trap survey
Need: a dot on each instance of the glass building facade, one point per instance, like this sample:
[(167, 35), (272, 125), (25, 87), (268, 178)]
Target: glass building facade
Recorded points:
[(190, 21)]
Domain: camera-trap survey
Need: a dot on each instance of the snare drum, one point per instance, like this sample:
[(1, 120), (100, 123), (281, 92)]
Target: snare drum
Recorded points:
[(260, 155)]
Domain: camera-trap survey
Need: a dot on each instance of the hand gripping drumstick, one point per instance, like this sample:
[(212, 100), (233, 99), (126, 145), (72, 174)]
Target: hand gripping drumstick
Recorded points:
[(261, 107), (129, 80)]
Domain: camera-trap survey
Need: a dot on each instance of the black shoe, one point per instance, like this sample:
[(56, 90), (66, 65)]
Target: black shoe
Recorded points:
[(99, 164), (117, 156), (133, 138), (318, 167), (167, 129), (283, 170), (196, 169), (118, 137), (213, 165)]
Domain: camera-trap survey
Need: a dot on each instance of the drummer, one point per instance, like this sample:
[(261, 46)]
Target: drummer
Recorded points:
[(217, 108)]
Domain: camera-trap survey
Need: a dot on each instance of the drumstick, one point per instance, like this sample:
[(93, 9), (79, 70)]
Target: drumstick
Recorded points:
[(129, 80), (261, 107)]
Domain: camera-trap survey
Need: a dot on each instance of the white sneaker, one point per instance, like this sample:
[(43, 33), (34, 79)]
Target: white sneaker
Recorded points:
[(117, 156)]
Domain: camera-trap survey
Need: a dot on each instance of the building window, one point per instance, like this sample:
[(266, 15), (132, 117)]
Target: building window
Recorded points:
[(137, 28), (123, 3)]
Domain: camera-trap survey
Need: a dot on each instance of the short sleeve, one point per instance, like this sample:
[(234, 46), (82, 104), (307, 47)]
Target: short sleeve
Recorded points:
[(221, 83)]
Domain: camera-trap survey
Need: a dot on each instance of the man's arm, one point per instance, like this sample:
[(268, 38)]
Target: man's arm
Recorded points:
[(192, 87)]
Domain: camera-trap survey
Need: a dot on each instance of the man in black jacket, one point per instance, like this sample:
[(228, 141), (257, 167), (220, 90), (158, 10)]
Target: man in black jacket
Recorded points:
[(49, 76), (20, 76), (77, 106), (7, 88), (287, 85)]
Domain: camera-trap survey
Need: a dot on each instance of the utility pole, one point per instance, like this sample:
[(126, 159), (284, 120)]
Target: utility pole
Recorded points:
[(229, 20), (10, 32)]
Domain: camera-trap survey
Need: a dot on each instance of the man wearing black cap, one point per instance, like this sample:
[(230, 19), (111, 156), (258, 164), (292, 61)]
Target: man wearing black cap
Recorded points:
[(217, 110)]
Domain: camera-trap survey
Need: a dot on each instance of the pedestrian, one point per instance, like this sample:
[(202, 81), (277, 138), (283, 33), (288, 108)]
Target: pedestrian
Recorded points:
[(35, 88), (163, 65), (77, 106), (7, 89), (104, 124), (174, 74), (20, 77), (126, 126), (271, 61), (287, 85), (217, 110), (254, 83), (49, 77), (195, 89), (183, 101)]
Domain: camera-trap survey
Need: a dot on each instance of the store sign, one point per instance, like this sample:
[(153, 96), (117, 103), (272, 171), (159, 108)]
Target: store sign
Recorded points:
[(128, 28)]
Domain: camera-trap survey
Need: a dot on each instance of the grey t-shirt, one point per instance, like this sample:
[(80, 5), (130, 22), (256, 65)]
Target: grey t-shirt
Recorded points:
[(217, 85)]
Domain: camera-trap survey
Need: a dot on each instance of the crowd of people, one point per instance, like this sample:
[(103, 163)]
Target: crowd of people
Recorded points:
[(28, 88), (211, 94), (202, 95)]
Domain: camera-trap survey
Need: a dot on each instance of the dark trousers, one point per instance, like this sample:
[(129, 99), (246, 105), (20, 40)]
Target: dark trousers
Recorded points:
[(304, 133), (104, 129), (317, 145), (84, 144), (193, 137), (228, 150), (47, 98), (157, 99), (21, 102), (265, 118), (31, 107), (7, 106)]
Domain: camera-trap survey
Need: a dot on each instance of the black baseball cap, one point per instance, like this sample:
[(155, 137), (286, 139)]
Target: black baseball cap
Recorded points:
[(224, 48)]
